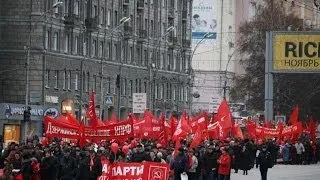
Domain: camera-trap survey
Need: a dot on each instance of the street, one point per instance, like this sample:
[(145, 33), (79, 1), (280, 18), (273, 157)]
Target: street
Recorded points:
[(282, 172)]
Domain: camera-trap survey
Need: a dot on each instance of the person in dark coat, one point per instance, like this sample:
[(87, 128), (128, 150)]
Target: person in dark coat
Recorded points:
[(210, 162), (26, 168), (244, 160), (95, 165), (67, 166), (16, 162), (265, 162), (83, 171), (180, 164), (48, 167), (140, 155), (236, 151)]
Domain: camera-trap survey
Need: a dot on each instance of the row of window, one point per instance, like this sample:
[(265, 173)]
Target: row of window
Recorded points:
[(131, 54), (70, 80)]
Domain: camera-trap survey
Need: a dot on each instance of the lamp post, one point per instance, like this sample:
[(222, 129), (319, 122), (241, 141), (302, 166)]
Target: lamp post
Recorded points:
[(152, 66), (190, 78), (225, 76), (28, 48)]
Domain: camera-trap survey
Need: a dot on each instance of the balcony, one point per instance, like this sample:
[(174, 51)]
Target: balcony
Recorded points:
[(70, 19), (171, 13), (172, 41), (91, 23), (127, 31), (186, 43), (184, 15), (140, 4), (142, 34), (126, 2)]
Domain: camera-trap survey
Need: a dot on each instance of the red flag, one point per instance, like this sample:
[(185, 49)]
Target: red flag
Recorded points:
[(294, 115), (72, 119), (82, 141), (196, 138), (174, 124), (163, 136), (199, 121), (176, 147), (237, 132), (224, 115), (91, 112), (183, 128)]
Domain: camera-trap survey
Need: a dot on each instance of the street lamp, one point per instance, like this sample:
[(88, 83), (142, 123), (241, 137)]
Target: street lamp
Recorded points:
[(153, 66)]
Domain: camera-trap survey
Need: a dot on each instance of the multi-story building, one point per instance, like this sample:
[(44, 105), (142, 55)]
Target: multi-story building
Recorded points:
[(52, 57)]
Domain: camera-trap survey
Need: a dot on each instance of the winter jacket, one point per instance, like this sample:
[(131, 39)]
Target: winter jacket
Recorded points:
[(244, 160), (224, 164), (83, 172), (299, 148), (67, 168), (210, 161), (26, 169), (96, 169), (48, 168), (264, 160), (286, 153), (140, 156), (180, 164)]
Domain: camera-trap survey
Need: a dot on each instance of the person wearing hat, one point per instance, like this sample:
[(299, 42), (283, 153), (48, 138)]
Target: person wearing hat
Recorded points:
[(193, 164), (48, 168), (180, 164), (67, 166), (265, 162), (224, 167), (140, 155), (210, 162)]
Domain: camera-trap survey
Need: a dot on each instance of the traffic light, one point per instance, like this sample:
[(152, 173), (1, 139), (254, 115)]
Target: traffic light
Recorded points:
[(27, 114)]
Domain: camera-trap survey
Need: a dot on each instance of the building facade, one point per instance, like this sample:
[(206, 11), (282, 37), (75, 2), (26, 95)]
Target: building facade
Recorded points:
[(55, 56)]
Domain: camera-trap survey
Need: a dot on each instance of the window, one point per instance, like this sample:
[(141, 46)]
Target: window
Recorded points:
[(55, 41), (162, 61), (76, 81), (86, 47), (64, 80), (109, 85), (101, 49), (109, 18), (47, 40), (94, 48), (76, 7), (174, 92), (94, 11), (139, 54), (84, 84), (164, 27), (146, 24), (47, 78), (161, 91), (109, 50), (140, 87), (136, 85), (156, 91), (145, 87), (186, 94), (130, 88), (69, 80), (183, 94), (66, 43), (145, 59), (174, 63), (152, 28), (56, 10), (56, 76), (76, 44), (88, 82), (115, 18), (130, 59), (123, 88), (101, 17), (94, 83), (66, 7), (115, 52)]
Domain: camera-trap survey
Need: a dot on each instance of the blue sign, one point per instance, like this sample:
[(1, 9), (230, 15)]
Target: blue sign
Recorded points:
[(110, 100)]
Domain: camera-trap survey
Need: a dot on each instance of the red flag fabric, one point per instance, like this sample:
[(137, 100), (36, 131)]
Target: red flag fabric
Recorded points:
[(213, 130), (173, 124), (72, 119), (237, 132), (294, 115), (224, 115), (251, 129), (199, 121), (197, 138), (91, 112), (82, 141), (183, 128), (163, 137)]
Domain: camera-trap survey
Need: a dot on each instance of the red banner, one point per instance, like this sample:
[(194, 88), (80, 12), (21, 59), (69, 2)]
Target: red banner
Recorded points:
[(121, 130), (134, 171), (293, 129)]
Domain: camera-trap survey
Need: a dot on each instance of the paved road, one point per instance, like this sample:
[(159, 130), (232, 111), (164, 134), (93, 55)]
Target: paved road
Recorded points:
[(283, 172)]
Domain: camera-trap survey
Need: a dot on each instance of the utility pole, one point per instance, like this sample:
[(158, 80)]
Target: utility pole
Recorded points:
[(27, 123)]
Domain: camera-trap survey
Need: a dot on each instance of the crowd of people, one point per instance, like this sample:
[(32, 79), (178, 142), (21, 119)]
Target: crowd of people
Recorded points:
[(212, 160)]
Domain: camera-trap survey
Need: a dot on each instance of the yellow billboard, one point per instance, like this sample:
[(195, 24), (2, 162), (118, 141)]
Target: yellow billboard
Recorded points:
[(297, 52)]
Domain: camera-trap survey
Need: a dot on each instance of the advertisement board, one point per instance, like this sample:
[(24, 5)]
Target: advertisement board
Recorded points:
[(139, 102), (296, 51), (203, 20), (11, 133)]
